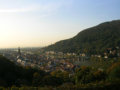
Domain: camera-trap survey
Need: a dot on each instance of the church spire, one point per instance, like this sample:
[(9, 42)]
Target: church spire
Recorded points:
[(19, 52)]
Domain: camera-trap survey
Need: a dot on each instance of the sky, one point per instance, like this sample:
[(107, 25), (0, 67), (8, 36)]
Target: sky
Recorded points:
[(36, 23)]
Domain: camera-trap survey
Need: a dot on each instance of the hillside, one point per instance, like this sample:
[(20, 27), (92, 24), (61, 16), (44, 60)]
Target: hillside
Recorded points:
[(8, 72), (11, 74), (91, 40)]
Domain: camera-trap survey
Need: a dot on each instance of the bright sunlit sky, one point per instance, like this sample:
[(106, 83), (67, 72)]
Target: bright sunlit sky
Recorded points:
[(33, 23)]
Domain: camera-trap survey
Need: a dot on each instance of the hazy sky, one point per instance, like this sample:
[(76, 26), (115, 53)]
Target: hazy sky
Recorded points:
[(43, 22)]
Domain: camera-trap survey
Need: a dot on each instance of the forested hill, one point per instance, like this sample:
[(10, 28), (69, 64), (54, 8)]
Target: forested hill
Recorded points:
[(91, 40), (11, 74)]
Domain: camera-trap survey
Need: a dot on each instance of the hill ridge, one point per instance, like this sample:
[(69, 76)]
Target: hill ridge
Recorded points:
[(91, 40)]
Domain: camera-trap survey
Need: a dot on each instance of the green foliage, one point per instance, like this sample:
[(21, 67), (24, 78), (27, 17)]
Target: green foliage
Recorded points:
[(91, 86), (8, 72), (92, 40), (28, 88), (83, 75), (37, 79), (64, 76), (51, 81), (99, 75), (14, 88), (11, 74), (114, 71), (85, 78), (1, 88)]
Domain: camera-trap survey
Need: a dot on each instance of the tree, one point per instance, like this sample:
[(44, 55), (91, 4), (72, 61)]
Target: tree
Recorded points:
[(114, 71), (63, 75), (51, 81), (83, 75), (37, 79), (99, 75)]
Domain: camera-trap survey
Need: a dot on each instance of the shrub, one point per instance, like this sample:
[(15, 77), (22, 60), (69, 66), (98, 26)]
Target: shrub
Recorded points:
[(114, 71), (1, 88)]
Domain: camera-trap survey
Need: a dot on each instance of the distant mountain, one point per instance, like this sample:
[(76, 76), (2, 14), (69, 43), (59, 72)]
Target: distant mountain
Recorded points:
[(91, 40)]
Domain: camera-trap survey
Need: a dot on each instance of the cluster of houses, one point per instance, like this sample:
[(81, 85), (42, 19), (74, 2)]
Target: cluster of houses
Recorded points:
[(50, 60), (112, 52)]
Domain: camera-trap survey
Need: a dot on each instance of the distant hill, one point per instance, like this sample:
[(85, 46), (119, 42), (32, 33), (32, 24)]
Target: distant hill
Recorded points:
[(91, 40)]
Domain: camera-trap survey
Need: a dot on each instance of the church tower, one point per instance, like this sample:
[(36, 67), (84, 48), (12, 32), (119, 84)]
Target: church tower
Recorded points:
[(19, 51)]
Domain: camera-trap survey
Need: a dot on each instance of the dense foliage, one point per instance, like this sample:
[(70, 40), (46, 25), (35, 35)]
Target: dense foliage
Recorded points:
[(11, 74), (92, 40), (84, 78)]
